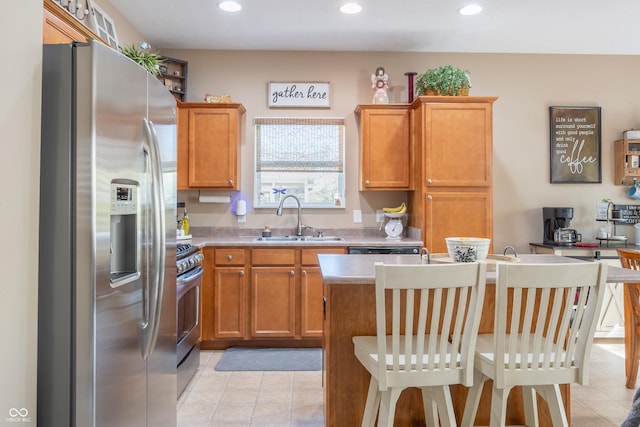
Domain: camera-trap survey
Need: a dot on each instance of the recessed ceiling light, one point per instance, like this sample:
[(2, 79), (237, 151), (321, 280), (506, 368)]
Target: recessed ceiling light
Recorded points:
[(350, 8), (229, 6), (470, 9)]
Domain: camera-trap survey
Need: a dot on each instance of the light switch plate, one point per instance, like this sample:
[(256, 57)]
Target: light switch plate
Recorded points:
[(357, 216), (242, 218)]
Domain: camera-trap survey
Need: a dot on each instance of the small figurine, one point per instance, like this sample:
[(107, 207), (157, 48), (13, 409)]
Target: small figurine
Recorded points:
[(379, 82)]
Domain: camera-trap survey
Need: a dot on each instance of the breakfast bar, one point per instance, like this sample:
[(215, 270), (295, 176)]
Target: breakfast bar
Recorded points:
[(350, 310)]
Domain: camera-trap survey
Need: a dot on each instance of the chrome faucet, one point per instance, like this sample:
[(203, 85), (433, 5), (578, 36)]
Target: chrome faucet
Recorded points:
[(279, 212)]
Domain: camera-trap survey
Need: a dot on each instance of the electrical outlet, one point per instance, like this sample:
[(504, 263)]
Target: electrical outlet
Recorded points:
[(357, 216), (379, 215), (242, 218)]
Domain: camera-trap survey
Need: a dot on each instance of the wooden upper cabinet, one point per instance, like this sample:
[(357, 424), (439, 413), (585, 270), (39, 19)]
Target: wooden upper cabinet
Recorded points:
[(457, 142), (208, 145), (386, 155), (58, 26)]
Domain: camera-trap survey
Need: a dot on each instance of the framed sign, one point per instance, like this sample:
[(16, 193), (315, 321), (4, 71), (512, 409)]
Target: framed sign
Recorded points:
[(575, 151), (299, 94)]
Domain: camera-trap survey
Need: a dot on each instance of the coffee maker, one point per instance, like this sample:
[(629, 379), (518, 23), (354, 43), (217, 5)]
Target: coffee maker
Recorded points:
[(556, 223)]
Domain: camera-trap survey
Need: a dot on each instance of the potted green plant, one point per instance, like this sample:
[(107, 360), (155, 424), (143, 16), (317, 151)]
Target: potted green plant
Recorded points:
[(426, 83), (148, 59), (444, 80)]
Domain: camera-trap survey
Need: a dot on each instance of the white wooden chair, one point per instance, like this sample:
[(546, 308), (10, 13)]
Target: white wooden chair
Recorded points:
[(430, 345), (545, 319)]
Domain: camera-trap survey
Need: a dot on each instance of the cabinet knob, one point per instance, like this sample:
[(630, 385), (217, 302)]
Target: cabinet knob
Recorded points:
[(292, 273), (229, 257), (304, 272), (366, 182), (429, 197), (429, 181), (230, 183), (241, 273)]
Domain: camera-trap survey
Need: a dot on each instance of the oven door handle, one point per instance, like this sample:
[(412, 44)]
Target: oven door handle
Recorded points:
[(185, 282)]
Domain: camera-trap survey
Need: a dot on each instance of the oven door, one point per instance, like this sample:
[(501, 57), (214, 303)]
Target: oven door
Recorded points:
[(188, 311)]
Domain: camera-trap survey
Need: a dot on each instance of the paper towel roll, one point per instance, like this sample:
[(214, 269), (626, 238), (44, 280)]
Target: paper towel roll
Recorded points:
[(241, 207)]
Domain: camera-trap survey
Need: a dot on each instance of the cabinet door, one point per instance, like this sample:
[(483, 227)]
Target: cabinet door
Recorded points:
[(386, 157), (55, 31), (311, 302), (457, 144), (229, 303), (273, 301), (456, 213), (213, 148)]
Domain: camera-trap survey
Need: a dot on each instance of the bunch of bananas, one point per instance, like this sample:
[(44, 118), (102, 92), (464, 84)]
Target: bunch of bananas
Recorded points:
[(397, 210)]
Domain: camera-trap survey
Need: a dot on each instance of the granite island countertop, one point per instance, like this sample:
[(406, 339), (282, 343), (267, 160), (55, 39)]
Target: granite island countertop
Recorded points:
[(359, 269)]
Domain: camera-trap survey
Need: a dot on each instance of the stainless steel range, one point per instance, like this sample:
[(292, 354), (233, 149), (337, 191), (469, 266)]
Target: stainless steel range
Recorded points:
[(189, 270)]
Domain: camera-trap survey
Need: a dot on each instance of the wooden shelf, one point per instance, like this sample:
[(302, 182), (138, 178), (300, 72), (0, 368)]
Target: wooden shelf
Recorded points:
[(174, 74), (627, 161)]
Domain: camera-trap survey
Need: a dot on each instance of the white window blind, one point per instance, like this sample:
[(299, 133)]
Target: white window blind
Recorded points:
[(299, 144)]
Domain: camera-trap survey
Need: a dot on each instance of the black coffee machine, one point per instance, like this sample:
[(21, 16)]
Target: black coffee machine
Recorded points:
[(556, 223)]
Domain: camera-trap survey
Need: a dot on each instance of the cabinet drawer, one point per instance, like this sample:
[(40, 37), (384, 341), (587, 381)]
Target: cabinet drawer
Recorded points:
[(273, 256), (310, 256), (229, 256)]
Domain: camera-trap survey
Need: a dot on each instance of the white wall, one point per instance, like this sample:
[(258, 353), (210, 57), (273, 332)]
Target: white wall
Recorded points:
[(525, 84), (21, 46)]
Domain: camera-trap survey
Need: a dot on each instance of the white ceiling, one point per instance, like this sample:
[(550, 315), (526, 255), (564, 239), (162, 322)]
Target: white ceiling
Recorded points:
[(504, 26)]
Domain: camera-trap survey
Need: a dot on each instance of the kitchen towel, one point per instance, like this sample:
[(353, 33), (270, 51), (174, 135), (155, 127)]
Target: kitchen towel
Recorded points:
[(270, 359)]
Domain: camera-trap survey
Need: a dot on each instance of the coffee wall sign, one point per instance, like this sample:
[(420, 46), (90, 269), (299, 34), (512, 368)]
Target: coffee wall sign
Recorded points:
[(575, 151), (299, 94)]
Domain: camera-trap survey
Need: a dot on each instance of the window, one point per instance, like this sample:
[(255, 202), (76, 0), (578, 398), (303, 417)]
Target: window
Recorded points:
[(303, 157), (104, 26)]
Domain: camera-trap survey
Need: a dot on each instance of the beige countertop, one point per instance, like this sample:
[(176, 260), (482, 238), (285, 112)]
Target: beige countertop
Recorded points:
[(348, 241), (359, 269)]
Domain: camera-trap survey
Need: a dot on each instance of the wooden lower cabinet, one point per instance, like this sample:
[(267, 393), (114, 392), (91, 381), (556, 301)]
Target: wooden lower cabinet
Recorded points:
[(224, 294), (229, 296), (312, 301), (456, 212), (273, 302), (262, 297), (311, 295)]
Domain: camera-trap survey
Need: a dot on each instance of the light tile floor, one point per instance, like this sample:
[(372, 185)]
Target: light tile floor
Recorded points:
[(287, 399), (265, 399)]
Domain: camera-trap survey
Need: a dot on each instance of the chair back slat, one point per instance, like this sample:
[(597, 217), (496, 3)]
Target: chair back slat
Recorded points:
[(408, 349), (434, 313), (421, 332), (552, 320)]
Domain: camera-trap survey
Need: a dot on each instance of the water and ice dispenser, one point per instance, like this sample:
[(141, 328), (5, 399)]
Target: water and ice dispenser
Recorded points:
[(124, 263)]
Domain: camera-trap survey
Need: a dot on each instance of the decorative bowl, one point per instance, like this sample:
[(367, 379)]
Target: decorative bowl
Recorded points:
[(463, 248)]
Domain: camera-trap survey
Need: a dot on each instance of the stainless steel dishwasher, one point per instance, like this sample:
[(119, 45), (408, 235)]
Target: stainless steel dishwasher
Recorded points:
[(383, 250)]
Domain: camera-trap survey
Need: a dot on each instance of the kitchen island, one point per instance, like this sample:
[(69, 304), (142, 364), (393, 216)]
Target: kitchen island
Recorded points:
[(350, 310)]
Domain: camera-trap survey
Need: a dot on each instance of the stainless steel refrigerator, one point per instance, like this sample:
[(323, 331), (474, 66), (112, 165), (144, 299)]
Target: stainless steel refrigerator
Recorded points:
[(107, 291)]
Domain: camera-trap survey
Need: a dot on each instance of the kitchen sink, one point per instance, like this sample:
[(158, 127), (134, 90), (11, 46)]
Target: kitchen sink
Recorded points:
[(298, 239)]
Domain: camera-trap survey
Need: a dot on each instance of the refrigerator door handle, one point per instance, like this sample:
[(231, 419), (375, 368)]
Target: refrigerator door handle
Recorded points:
[(158, 248)]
